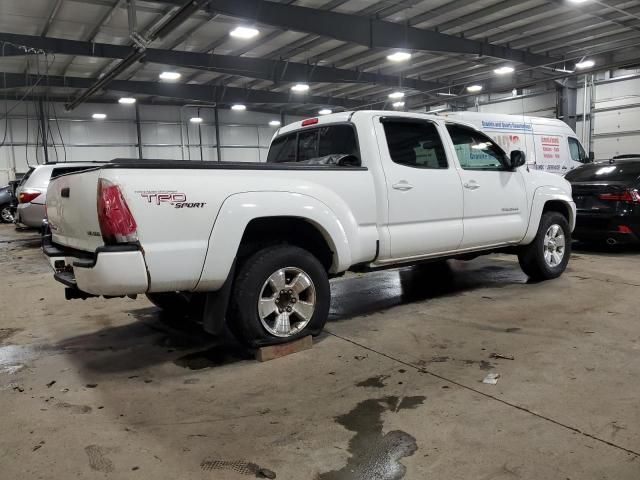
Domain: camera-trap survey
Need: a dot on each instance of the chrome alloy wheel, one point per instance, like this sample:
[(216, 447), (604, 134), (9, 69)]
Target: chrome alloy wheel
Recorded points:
[(6, 215), (287, 301), (554, 245)]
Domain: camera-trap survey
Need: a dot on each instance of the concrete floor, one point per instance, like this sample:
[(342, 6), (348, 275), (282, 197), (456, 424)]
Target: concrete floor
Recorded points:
[(391, 390)]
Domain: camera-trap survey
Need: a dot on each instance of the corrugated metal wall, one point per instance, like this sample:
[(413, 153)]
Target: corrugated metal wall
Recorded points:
[(166, 134)]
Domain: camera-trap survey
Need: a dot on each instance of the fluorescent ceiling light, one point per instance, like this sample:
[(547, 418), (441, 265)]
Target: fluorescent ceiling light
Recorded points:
[(244, 32), (445, 94), (577, 1), (585, 64), (127, 100), (324, 111), (398, 104), (503, 70), (395, 95), (238, 107), (274, 123), (399, 56), (300, 88), (99, 116), (195, 120), (474, 88), (169, 76)]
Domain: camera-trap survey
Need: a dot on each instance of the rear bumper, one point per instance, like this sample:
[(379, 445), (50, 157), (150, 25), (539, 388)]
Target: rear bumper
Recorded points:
[(621, 229), (110, 271), (30, 214)]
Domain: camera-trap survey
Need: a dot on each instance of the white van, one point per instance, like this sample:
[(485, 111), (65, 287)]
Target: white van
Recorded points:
[(549, 144)]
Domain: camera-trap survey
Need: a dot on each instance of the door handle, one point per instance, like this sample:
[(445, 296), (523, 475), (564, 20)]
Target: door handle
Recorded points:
[(472, 185), (402, 185)]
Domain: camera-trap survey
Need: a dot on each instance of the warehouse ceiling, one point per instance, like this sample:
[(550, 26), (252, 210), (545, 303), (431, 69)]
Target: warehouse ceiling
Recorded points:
[(340, 48)]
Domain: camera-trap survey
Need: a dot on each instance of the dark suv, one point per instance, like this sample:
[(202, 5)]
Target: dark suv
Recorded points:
[(607, 197)]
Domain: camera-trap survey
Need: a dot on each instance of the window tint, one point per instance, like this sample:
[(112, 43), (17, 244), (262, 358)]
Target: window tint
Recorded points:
[(56, 172), (337, 140), (314, 143), (577, 152), (414, 144), (617, 172), (307, 145), (283, 149), (475, 150)]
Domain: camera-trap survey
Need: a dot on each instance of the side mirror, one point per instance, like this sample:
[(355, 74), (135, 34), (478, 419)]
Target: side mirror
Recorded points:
[(592, 157), (517, 159)]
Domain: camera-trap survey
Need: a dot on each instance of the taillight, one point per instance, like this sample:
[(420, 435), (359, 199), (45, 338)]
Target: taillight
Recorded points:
[(27, 196), (624, 196), (117, 225), (309, 121)]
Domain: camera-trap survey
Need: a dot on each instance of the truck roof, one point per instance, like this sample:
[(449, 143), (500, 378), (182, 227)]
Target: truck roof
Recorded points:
[(341, 117)]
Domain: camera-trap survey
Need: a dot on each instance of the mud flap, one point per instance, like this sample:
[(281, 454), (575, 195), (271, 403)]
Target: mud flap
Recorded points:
[(215, 306)]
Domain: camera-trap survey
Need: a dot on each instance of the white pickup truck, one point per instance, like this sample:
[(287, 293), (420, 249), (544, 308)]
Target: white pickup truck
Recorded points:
[(254, 245)]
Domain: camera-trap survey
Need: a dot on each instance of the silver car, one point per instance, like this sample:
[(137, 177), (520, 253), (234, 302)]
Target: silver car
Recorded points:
[(32, 190)]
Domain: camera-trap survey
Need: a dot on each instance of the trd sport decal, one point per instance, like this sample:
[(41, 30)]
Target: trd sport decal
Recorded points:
[(178, 200)]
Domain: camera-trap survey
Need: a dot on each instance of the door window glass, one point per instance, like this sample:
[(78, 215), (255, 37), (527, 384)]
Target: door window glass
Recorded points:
[(337, 140), (577, 152), (475, 150), (414, 144)]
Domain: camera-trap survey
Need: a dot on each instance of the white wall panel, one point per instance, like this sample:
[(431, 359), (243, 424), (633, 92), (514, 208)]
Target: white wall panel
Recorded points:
[(116, 136)]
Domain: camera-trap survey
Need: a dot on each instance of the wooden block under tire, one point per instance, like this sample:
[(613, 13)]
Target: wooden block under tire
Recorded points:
[(264, 354)]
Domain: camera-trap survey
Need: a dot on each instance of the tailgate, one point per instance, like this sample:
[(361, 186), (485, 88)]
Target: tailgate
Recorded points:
[(72, 210)]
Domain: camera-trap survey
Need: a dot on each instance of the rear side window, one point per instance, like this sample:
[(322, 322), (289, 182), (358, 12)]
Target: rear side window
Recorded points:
[(56, 172), (593, 172), (314, 143), (475, 150), (577, 152), (414, 143), (26, 175)]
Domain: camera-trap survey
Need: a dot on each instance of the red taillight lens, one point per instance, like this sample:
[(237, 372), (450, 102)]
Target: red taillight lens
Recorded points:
[(309, 121), (116, 222), (28, 195), (625, 196)]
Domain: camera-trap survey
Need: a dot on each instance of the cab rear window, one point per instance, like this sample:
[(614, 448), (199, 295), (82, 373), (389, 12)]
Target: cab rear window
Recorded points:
[(617, 172), (309, 144)]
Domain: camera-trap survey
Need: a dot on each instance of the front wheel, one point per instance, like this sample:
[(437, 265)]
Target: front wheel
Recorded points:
[(547, 256), (280, 293), (6, 215)]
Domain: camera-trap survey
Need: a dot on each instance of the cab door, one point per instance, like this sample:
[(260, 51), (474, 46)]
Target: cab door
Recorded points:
[(495, 197), (424, 191)]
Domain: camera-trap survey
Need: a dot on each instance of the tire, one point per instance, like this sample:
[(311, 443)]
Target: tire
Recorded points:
[(261, 315), (6, 216), (537, 259)]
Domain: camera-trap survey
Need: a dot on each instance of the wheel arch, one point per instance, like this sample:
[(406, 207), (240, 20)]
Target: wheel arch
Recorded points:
[(546, 199), (241, 227)]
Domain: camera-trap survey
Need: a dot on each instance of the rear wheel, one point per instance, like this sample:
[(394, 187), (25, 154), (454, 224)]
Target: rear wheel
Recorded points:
[(547, 256), (280, 294), (6, 216)]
